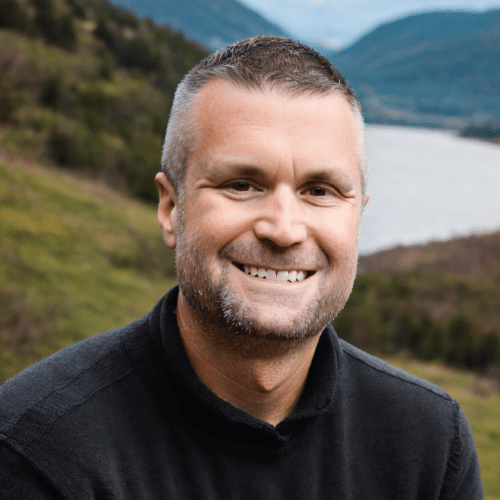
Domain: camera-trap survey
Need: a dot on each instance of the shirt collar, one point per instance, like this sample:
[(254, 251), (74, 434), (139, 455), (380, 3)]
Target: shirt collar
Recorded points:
[(317, 397)]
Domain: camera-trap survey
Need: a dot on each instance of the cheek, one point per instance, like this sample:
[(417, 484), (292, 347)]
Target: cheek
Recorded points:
[(217, 223), (339, 237), (214, 230)]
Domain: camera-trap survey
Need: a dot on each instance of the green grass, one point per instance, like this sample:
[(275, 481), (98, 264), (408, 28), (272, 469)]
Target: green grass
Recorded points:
[(479, 397), (76, 259)]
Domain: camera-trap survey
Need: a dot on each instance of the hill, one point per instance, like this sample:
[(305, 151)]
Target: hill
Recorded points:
[(76, 259), (88, 87), (211, 23), (437, 301), (432, 69)]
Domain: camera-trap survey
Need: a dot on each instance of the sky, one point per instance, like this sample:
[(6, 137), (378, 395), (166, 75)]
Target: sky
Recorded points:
[(338, 23)]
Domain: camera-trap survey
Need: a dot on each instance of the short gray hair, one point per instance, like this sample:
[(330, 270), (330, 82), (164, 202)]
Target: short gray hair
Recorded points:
[(256, 63)]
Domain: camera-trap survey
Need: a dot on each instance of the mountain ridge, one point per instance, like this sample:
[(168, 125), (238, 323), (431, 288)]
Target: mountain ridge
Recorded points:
[(213, 24), (430, 69)]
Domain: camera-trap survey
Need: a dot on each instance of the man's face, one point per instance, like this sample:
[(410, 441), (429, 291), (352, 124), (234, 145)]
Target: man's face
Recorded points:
[(266, 241)]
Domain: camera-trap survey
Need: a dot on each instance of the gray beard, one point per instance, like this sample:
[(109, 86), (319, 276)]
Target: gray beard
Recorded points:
[(225, 315)]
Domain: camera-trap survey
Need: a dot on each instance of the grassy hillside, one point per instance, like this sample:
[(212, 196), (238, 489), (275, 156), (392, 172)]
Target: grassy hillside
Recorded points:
[(76, 259)]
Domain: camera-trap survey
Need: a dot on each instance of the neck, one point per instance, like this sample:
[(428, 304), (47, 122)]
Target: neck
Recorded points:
[(263, 377)]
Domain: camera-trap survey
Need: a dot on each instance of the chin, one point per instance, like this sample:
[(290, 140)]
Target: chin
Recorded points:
[(266, 323)]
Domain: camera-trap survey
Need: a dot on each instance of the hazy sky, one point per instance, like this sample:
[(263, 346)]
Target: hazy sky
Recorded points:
[(337, 23)]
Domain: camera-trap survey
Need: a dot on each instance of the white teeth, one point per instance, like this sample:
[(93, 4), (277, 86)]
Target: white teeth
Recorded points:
[(282, 276), (270, 274)]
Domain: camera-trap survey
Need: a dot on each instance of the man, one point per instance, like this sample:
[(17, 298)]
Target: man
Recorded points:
[(235, 385)]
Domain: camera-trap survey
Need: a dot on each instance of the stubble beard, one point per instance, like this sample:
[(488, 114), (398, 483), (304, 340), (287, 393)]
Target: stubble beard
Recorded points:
[(224, 312)]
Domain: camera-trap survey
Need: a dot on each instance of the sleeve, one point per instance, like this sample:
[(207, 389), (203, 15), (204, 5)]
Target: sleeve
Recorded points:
[(20, 479), (463, 476)]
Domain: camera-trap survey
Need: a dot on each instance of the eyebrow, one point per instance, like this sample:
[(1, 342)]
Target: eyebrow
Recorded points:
[(244, 170), (237, 169), (312, 174), (337, 175)]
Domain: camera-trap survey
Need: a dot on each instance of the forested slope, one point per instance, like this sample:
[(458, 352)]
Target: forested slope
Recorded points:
[(88, 86)]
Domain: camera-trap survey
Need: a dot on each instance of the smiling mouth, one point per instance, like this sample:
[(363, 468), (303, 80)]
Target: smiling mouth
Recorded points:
[(273, 274)]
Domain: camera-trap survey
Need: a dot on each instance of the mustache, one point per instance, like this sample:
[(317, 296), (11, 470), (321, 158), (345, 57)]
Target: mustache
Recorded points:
[(273, 257)]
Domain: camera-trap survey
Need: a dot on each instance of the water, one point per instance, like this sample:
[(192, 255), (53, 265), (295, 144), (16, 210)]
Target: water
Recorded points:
[(428, 185)]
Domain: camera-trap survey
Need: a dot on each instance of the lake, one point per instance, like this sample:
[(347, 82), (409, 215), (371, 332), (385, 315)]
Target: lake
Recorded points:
[(428, 185)]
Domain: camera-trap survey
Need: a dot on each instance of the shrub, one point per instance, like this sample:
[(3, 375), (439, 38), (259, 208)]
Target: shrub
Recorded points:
[(489, 130), (12, 14), (9, 100), (57, 29), (431, 314), (66, 146), (51, 91), (77, 8), (106, 66)]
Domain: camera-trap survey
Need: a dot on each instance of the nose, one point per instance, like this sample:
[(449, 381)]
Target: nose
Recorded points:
[(281, 220)]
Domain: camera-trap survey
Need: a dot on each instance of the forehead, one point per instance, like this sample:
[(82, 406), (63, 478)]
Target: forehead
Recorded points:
[(221, 93), (270, 124)]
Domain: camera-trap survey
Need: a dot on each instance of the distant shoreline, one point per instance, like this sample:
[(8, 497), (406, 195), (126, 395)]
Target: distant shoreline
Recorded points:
[(428, 185), (448, 131)]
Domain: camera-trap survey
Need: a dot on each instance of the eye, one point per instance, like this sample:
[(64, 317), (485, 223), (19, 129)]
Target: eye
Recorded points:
[(240, 189), (241, 186), (320, 194), (317, 191)]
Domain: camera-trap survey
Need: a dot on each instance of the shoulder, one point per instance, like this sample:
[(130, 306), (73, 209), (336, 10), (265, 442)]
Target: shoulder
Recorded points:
[(411, 419), (47, 390), (389, 397), (383, 374)]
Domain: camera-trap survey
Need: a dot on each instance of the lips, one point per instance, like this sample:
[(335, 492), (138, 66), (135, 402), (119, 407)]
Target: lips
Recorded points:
[(290, 276)]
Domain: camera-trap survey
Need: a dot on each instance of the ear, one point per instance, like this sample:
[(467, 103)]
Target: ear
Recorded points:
[(167, 209), (366, 198)]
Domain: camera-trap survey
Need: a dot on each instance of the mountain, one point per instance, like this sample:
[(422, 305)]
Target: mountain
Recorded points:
[(433, 69), (211, 23), (340, 24)]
